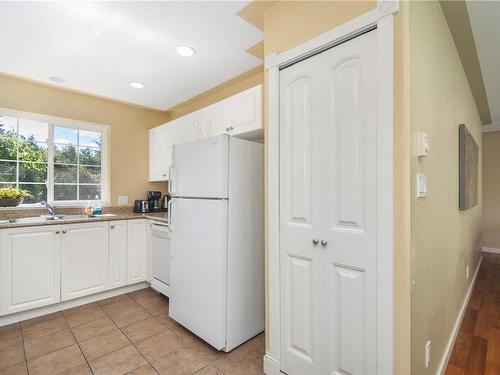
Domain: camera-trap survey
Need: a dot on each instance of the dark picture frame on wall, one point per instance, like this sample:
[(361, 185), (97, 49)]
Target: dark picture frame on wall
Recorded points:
[(468, 155)]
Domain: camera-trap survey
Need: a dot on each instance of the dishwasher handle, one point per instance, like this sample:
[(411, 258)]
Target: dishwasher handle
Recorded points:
[(159, 224), (159, 230)]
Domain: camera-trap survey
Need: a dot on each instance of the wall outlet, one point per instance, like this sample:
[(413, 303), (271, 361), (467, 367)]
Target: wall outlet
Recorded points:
[(427, 353), (122, 199), (467, 272)]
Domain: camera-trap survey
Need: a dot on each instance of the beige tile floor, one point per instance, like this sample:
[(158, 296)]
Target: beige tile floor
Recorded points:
[(128, 334)]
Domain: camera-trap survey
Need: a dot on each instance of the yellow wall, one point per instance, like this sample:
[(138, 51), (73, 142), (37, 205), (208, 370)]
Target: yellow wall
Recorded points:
[(290, 23), (128, 128), (229, 88), (444, 240), (491, 190)]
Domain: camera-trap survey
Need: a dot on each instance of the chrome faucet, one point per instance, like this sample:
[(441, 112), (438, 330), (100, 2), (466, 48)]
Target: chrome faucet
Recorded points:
[(52, 209)]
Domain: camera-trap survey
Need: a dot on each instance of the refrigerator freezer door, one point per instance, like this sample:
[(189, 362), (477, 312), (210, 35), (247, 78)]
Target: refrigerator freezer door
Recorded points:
[(199, 267), (200, 168)]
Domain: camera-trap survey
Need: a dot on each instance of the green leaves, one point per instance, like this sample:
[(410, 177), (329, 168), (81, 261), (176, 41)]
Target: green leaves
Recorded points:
[(13, 193), (24, 162)]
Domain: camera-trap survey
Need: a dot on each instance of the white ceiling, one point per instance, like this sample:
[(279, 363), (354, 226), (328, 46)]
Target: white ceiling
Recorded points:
[(485, 22), (100, 47)]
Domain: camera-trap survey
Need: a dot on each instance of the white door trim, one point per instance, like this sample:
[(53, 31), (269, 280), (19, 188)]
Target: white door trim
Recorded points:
[(382, 19)]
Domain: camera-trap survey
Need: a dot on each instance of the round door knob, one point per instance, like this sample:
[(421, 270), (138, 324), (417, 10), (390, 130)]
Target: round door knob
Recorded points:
[(231, 128), (324, 243), (112, 227), (315, 241), (227, 129), (57, 232), (64, 231)]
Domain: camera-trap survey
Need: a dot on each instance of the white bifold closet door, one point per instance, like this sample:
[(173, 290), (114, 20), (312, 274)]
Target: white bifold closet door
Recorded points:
[(328, 159)]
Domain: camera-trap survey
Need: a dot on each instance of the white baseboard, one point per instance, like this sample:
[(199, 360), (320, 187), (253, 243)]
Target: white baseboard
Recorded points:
[(493, 250), (35, 313), (271, 365), (456, 328)]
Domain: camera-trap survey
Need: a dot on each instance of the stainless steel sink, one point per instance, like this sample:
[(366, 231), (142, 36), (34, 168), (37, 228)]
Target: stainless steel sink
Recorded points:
[(47, 218), (35, 219), (73, 217)]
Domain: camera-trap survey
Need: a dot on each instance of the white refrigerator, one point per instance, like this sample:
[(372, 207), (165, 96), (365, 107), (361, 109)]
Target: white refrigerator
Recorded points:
[(217, 241)]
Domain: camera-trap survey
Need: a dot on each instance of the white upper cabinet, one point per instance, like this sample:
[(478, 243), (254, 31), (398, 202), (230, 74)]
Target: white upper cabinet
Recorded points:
[(84, 259), (186, 130), (29, 268), (220, 117), (248, 112), (239, 115), (160, 153)]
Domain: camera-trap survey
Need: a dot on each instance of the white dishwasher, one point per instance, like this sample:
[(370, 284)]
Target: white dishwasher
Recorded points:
[(160, 254)]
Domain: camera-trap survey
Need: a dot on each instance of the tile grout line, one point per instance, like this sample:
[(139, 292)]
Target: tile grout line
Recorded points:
[(159, 317), (133, 344), (24, 348), (77, 343), (166, 327), (41, 355)]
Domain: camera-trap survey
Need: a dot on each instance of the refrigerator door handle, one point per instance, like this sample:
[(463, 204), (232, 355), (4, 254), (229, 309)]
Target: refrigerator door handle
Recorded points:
[(171, 183), (169, 214)]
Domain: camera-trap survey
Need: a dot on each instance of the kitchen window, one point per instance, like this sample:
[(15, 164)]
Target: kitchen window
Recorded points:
[(54, 161)]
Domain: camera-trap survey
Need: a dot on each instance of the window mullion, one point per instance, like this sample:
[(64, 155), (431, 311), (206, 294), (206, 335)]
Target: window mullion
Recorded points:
[(17, 152), (78, 165), (50, 165)]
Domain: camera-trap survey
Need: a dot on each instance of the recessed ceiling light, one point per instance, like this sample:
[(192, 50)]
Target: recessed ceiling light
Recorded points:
[(136, 85), (185, 51), (56, 79)]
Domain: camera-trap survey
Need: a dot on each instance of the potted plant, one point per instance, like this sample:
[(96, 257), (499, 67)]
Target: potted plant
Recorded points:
[(12, 197)]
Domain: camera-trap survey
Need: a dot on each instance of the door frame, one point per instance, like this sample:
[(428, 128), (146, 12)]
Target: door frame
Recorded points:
[(380, 18)]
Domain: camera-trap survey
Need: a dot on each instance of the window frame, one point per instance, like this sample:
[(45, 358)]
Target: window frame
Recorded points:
[(72, 124)]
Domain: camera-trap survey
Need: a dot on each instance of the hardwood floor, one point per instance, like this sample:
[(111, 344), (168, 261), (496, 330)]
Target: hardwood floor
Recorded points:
[(477, 348)]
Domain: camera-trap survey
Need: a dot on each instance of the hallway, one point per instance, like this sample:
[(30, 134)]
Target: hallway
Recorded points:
[(477, 348)]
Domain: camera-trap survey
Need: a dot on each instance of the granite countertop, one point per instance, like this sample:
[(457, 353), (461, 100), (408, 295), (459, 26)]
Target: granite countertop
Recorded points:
[(109, 215)]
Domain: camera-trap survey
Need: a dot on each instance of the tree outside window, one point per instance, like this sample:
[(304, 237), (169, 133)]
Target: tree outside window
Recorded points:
[(75, 160)]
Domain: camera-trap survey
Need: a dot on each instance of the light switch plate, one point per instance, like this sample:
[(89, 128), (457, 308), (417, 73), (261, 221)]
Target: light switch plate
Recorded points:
[(421, 144), (122, 199), (427, 353), (421, 185)]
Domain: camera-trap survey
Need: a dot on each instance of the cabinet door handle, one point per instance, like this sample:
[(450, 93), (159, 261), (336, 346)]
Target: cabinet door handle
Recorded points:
[(315, 241), (324, 243), (227, 129), (112, 227), (64, 231), (231, 128), (57, 232)]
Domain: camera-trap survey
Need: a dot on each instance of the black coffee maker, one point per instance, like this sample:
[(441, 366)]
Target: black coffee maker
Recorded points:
[(154, 201)]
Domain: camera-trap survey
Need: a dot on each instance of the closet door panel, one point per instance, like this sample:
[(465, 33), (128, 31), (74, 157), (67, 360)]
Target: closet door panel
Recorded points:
[(300, 218), (349, 154)]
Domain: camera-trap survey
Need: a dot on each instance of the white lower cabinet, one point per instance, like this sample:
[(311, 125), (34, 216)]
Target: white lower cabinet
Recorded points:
[(136, 250), (84, 259), (47, 264), (29, 268), (117, 254)]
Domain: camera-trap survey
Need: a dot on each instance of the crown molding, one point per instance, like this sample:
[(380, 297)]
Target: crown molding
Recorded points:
[(494, 127)]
